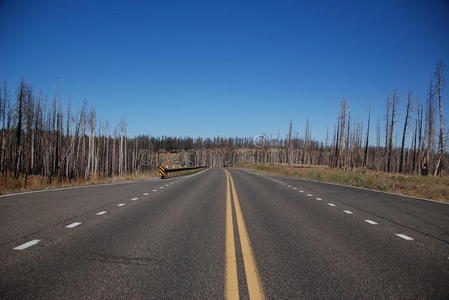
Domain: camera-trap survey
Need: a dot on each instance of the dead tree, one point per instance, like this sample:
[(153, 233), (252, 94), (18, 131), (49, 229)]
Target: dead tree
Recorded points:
[(393, 107), (438, 91), (21, 94), (387, 132), (365, 157), (430, 132), (289, 144), (404, 132)]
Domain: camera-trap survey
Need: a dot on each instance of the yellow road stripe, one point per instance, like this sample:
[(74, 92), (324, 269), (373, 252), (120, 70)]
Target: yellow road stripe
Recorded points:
[(232, 287), (252, 276)]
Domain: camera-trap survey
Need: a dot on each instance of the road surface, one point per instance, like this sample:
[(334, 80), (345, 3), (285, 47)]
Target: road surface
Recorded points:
[(222, 234)]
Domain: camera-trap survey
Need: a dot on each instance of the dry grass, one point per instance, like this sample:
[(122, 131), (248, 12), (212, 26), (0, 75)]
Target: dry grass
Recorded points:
[(10, 185), (436, 188)]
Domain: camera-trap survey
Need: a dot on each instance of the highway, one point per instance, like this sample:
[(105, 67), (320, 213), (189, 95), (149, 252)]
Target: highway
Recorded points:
[(222, 234)]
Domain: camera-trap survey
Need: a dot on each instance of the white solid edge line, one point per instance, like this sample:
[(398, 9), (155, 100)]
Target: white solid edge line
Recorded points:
[(134, 199), (121, 204), (348, 212), (404, 236), (331, 204), (79, 187), (94, 185), (194, 174), (26, 245), (357, 188), (74, 224), (101, 213), (371, 222)]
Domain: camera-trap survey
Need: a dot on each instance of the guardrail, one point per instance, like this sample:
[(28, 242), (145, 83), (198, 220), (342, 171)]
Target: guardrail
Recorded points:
[(165, 173)]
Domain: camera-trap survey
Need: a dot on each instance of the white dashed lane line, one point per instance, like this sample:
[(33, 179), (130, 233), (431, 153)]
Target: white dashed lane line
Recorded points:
[(370, 222), (121, 204), (26, 245), (73, 225), (401, 235), (404, 236), (154, 190), (145, 194), (101, 213), (134, 199)]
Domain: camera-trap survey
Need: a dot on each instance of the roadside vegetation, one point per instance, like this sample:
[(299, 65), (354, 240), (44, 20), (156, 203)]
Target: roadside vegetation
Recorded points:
[(430, 187)]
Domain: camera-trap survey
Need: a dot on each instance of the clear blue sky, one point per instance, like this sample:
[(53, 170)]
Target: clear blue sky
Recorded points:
[(228, 68)]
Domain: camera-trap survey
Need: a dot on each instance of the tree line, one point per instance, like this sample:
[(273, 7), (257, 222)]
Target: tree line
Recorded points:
[(40, 137), (423, 129), (421, 147)]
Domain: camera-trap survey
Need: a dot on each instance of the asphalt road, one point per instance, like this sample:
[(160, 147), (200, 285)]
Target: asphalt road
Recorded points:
[(222, 234)]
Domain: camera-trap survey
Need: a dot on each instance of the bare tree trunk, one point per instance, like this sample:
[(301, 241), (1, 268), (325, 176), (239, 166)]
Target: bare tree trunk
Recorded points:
[(21, 95), (404, 133), (438, 91), (415, 146), (430, 133), (290, 127), (394, 102), (387, 132), (365, 158)]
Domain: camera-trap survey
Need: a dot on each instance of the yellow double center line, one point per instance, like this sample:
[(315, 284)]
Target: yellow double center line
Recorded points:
[(252, 276)]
